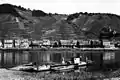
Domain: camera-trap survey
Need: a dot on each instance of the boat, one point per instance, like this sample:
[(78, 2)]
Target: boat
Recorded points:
[(42, 68), (73, 64), (69, 65), (22, 68), (63, 68), (31, 67)]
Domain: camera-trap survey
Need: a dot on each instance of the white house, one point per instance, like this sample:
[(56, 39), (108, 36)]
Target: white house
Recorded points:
[(24, 43), (46, 42), (8, 43), (1, 44)]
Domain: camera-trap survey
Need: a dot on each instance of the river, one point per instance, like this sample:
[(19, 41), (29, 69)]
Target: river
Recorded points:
[(102, 59)]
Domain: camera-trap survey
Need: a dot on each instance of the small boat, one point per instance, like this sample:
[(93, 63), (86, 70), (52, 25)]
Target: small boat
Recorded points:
[(75, 63), (82, 63), (42, 68), (31, 67), (63, 68), (22, 68)]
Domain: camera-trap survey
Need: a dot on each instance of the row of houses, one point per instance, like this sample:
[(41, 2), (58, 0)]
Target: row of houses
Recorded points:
[(25, 43), (14, 43)]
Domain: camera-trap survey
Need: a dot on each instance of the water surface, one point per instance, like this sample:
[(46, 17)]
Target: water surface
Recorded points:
[(102, 59)]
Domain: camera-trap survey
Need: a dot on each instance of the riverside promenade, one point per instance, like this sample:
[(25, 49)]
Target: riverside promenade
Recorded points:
[(59, 49)]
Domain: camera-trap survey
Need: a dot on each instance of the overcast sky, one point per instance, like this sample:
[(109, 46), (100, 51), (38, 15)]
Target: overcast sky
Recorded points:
[(69, 6)]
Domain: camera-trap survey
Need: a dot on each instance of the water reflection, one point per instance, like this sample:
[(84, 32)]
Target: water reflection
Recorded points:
[(109, 57), (102, 59)]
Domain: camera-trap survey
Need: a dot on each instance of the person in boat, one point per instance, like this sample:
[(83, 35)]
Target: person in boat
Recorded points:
[(63, 60), (86, 59), (80, 58)]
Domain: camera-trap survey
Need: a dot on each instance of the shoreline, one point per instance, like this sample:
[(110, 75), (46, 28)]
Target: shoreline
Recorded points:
[(60, 49), (81, 75)]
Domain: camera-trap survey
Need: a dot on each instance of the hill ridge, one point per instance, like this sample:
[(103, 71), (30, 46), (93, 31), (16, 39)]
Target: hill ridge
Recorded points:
[(54, 26)]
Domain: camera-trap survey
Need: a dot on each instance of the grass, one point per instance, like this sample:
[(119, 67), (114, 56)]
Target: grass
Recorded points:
[(80, 75), (77, 75)]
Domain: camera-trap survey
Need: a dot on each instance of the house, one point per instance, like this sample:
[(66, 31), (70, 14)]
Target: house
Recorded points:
[(65, 43), (95, 43), (108, 44), (35, 43), (8, 44), (52, 43), (1, 45), (46, 42), (68, 43), (24, 43), (84, 43), (17, 43), (74, 42)]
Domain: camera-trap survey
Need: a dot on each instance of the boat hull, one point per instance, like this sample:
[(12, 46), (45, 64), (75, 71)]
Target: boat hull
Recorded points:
[(63, 68), (22, 68), (30, 68)]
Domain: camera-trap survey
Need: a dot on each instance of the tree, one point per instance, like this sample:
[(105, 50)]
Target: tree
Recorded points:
[(59, 44), (72, 16), (78, 44), (38, 13), (55, 44)]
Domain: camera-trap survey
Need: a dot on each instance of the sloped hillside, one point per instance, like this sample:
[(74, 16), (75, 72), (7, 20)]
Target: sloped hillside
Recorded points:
[(90, 25), (18, 22), (61, 30), (43, 25), (6, 23)]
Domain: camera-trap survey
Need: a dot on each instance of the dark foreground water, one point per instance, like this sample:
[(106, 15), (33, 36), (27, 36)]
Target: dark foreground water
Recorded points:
[(102, 59)]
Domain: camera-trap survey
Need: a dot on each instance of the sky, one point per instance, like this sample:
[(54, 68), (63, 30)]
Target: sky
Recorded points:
[(69, 6)]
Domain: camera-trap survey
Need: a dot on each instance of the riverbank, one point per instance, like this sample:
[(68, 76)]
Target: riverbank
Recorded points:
[(78, 75), (60, 49)]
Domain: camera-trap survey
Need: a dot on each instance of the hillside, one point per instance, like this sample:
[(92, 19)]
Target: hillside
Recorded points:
[(18, 22), (90, 25)]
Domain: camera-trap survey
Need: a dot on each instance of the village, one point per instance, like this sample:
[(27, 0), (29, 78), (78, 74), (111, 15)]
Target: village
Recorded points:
[(28, 44)]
